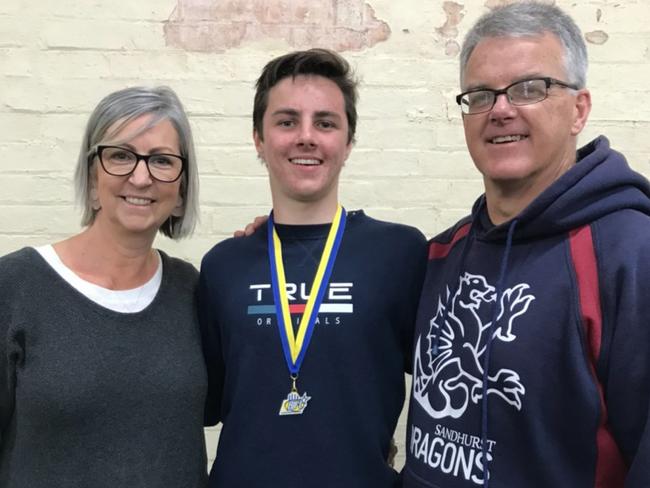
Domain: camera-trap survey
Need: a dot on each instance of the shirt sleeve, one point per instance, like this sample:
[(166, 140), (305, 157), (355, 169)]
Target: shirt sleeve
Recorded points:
[(11, 353), (212, 352)]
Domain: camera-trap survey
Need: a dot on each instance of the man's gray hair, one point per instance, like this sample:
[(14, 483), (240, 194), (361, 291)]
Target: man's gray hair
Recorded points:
[(114, 112), (526, 19)]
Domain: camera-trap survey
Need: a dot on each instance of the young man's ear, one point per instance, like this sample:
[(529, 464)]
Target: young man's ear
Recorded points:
[(259, 146), (348, 150)]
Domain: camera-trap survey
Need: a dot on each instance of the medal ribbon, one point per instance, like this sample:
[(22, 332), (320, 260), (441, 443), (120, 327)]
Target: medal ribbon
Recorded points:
[(295, 347)]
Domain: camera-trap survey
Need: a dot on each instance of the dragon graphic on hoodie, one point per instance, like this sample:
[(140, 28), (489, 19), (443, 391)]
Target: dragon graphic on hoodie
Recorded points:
[(458, 331)]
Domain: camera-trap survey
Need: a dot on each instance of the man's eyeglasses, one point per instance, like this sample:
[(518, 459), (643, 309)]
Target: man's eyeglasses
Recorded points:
[(524, 92), (118, 161)]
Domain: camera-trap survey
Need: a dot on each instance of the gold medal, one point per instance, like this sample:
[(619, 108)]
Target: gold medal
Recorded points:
[(294, 404)]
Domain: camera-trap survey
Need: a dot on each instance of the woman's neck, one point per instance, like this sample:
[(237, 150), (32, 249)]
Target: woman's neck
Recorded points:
[(107, 260)]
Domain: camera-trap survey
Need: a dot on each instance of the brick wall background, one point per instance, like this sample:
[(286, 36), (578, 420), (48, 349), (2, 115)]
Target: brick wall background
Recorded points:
[(58, 59)]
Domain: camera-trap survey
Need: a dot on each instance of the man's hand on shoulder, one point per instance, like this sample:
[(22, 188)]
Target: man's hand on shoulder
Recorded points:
[(250, 229)]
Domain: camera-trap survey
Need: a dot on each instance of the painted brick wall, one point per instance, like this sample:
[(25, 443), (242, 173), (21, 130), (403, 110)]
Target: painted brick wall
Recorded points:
[(57, 59)]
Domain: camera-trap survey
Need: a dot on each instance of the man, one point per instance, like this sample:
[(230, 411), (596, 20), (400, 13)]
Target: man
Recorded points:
[(308, 323), (531, 360)]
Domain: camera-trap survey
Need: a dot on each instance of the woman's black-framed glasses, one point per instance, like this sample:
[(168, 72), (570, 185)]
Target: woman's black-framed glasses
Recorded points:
[(119, 161), (525, 92)]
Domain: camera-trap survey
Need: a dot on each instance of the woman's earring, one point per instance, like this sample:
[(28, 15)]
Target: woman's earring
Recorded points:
[(94, 199)]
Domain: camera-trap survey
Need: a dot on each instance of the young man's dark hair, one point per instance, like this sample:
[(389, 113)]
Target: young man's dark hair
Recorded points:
[(319, 62)]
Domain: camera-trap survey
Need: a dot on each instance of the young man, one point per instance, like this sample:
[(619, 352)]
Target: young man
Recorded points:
[(532, 356), (308, 323)]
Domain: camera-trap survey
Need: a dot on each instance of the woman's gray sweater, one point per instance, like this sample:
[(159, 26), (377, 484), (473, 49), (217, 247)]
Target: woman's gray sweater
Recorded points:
[(91, 398)]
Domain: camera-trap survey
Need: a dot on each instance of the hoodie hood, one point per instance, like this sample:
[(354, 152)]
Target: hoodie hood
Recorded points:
[(601, 182)]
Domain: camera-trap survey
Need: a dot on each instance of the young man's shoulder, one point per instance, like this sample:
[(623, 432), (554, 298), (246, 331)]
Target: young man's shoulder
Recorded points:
[(394, 247), (375, 228)]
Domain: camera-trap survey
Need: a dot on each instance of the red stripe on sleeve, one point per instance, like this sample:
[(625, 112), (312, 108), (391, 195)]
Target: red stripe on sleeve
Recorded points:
[(438, 250), (610, 468)]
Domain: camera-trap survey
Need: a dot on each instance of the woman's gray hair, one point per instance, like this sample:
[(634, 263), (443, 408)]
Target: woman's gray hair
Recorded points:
[(525, 19), (114, 112)]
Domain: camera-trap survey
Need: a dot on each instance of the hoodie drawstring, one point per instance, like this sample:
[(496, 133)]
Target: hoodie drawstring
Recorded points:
[(488, 348)]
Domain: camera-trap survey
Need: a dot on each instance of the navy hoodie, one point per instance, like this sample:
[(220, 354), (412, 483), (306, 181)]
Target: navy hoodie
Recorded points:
[(532, 343)]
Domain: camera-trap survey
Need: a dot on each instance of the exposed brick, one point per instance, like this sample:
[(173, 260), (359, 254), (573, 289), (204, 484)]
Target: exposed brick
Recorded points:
[(597, 37), (350, 13), (213, 26), (454, 13), (452, 48), (295, 12), (205, 36), (499, 3)]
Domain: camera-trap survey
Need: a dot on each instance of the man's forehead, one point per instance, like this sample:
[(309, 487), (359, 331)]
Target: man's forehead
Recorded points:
[(513, 58), (517, 39)]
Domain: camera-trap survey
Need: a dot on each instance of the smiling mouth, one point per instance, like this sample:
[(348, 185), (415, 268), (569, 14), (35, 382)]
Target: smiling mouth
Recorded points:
[(507, 139), (305, 161), (141, 202)]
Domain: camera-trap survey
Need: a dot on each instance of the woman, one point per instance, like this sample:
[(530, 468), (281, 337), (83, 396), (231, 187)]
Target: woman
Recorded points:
[(102, 380)]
